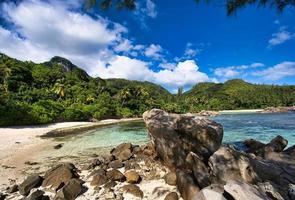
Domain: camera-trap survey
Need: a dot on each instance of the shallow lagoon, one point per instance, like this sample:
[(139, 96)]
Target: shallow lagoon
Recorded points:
[(237, 128)]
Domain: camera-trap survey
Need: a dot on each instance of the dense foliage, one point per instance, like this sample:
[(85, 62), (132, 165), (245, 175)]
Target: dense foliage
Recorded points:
[(60, 91), (237, 94)]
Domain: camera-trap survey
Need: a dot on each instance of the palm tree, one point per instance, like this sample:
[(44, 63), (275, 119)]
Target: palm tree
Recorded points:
[(5, 73), (124, 95), (59, 88)]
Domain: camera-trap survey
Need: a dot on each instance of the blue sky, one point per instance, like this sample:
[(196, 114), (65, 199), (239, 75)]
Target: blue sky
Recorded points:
[(164, 42)]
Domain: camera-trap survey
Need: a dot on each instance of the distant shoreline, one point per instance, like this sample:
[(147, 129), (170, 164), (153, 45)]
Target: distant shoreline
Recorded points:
[(241, 111)]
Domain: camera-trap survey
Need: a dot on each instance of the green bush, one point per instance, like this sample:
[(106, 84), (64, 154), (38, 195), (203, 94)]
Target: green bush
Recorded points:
[(74, 114), (47, 111)]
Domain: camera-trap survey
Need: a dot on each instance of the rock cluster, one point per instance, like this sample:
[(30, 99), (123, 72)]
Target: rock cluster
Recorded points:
[(110, 176), (207, 170)]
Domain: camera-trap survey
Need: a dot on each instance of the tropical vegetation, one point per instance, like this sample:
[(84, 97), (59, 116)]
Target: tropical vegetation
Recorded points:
[(58, 90)]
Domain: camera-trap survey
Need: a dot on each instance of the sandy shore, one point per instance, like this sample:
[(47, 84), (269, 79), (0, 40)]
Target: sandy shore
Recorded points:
[(23, 143), (240, 111)]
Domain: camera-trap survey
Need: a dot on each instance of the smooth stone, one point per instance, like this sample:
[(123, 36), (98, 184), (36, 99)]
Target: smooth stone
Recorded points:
[(115, 175), (133, 189), (98, 180), (116, 164), (132, 176), (171, 178), (29, 183), (171, 196), (70, 191)]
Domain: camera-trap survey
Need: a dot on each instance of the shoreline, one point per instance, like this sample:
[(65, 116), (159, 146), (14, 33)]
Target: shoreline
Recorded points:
[(20, 144), (242, 111)]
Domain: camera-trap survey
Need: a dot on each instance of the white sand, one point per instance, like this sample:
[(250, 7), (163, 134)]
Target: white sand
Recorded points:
[(240, 111)]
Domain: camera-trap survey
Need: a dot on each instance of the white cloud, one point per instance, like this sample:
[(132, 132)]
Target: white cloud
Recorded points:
[(280, 37), (226, 72), (184, 74), (145, 11), (154, 51), (151, 9), (235, 71), (279, 71), (42, 30), (190, 51)]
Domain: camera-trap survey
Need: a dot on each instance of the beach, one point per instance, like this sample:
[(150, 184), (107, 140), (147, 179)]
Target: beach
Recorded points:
[(20, 144)]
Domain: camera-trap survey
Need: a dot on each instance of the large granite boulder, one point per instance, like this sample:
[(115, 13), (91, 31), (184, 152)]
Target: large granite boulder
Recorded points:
[(59, 175), (174, 136), (243, 191), (229, 164), (29, 183)]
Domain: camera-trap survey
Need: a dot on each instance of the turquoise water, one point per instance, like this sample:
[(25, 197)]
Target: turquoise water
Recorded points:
[(237, 128)]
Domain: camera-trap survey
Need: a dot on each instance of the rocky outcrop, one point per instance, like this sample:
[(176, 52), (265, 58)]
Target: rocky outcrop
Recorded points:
[(243, 191), (174, 136), (229, 164)]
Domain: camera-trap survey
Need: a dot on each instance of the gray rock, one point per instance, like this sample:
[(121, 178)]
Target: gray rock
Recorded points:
[(59, 175), (115, 175), (70, 191), (123, 151), (98, 180), (171, 178), (272, 192), (199, 169), (229, 164), (186, 185), (37, 195), (29, 183), (12, 189), (174, 136), (277, 144), (116, 164), (212, 192), (133, 189), (243, 191)]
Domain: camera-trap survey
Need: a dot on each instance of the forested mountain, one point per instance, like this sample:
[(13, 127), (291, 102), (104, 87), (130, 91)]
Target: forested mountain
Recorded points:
[(60, 91)]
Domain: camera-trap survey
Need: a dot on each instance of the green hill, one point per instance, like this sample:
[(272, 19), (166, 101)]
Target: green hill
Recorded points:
[(58, 90), (238, 94)]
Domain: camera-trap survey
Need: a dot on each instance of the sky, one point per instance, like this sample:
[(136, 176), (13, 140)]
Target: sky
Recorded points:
[(168, 42)]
